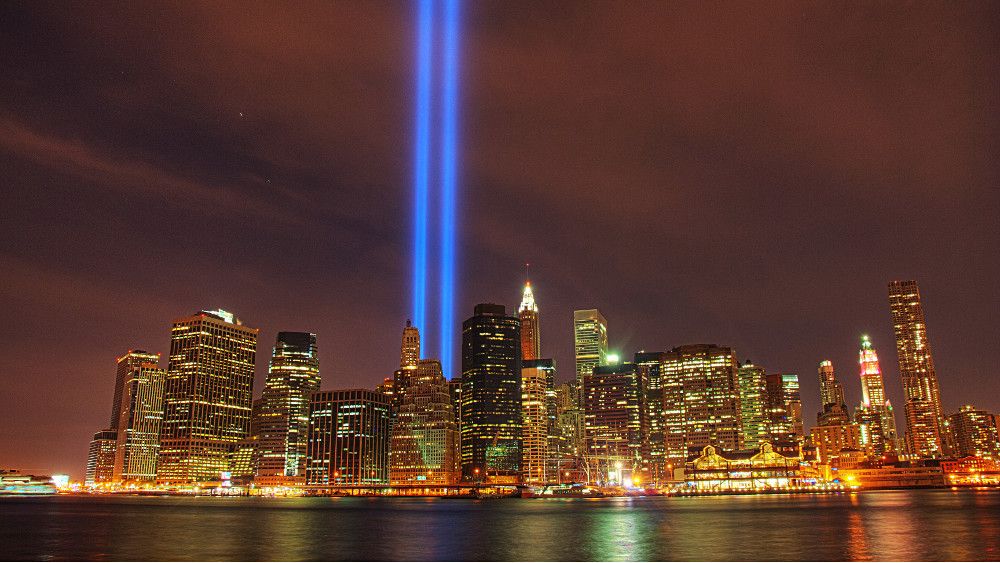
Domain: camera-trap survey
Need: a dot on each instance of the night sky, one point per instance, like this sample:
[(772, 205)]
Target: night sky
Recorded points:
[(747, 174)]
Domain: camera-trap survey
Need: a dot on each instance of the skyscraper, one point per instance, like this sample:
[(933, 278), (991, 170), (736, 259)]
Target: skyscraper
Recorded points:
[(590, 341), (924, 416), (784, 408), (536, 385), (875, 414), (531, 344), (701, 400), (834, 406), (348, 438), (282, 425), (491, 396), (423, 448), (614, 423), (648, 363), (753, 404), (975, 433), (140, 416), (409, 352), (127, 364), (101, 458), (208, 396)]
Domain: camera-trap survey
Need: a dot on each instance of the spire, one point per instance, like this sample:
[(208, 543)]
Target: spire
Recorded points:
[(528, 300)]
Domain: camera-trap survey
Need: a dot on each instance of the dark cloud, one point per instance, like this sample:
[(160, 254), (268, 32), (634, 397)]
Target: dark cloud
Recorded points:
[(749, 175)]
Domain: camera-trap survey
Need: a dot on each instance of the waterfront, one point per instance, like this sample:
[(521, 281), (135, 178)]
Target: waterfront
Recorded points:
[(887, 525)]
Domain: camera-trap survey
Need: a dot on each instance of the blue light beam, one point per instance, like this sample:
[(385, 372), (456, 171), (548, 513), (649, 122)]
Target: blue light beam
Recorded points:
[(421, 160), (449, 180)]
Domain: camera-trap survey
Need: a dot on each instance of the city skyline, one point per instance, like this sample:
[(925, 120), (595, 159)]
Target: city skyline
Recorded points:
[(81, 278)]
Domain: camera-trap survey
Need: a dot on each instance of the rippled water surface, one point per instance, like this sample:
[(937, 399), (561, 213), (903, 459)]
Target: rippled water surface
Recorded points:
[(898, 525)]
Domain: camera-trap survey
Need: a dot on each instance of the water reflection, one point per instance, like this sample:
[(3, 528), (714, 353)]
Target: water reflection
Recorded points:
[(922, 525)]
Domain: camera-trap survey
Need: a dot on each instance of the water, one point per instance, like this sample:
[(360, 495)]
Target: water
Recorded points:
[(897, 525)]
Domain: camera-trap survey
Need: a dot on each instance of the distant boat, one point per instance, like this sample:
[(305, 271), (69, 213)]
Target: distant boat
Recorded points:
[(15, 484)]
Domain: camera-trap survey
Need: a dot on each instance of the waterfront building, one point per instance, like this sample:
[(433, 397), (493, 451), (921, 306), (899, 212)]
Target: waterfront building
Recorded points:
[(922, 410), (537, 377), (975, 433), (701, 400), (753, 404), (491, 396), (971, 471), (423, 449), (127, 365), (282, 424), (590, 342), (101, 458), (834, 406), (830, 440), (569, 421), (875, 414), (614, 424), (890, 476), (722, 471), (348, 438), (140, 414), (648, 363), (531, 343), (783, 404), (208, 396)]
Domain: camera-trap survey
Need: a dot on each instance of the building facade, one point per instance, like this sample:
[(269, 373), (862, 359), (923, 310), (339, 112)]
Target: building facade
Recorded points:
[(101, 458), (649, 363), (924, 416), (830, 440), (282, 424), (348, 438), (590, 342), (207, 398), (753, 404), (614, 424), (875, 413), (975, 433), (491, 396), (784, 408), (531, 340), (423, 449), (537, 379), (140, 417), (834, 406)]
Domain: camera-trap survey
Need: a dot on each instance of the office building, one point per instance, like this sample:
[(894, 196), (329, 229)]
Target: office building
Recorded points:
[(282, 425), (875, 414), (491, 396), (536, 383), (531, 343), (590, 342), (348, 438), (423, 449), (208, 396), (783, 404), (127, 365), (614, 424), (834, 406), (101, 458), (830, 440), (924, 416), (648, 363), (754, 419), (140, 417), (975, 433)]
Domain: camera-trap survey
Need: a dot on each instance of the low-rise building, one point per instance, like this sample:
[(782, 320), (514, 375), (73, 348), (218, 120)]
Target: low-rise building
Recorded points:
[(765, 469)]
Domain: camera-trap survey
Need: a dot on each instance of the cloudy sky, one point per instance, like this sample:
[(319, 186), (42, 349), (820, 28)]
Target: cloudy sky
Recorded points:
[(744, 174)]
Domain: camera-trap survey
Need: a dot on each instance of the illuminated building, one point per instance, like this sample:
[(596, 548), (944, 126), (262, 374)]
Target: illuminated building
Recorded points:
[(569, 422), (208, 396), (491, 396), (924, 417), (536, 383), (140, 416), (348, 438), (975, 433), (244, 461), (972, 471), (282, 425), (890, 477), (423, 449), (753, 404), (830, 440), (531, 344), (701, 400), (127, 365), (590, 342), (614, 423), (831, 393), (783, 404), (875, 414), (101, 458), (720, 470), (409, 351), (655, 443)]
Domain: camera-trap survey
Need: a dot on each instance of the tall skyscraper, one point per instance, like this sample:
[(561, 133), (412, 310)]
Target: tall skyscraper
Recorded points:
[(648, 363), (423, 449), (590, 341), (537, 377), (101, 458), (834, 406), (975, 433), (614, 423), (140, 416), (348, 438), (531, 343), (924, 416), (875, 414), (569, 423), (701, 400), (753, 404), (282, 425), (491, 396), (409, 353), (127, 364), (208, 396)]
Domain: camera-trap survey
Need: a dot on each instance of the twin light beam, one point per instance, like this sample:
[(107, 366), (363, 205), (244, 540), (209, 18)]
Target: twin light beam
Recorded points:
[(443, 176)]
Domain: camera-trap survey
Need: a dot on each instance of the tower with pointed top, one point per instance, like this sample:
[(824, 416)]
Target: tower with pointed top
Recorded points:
[(409, 353), (875, 415), (528, 313)]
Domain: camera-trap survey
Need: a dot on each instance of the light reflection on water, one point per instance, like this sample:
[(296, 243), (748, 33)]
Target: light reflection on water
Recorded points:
[(899, 525)]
